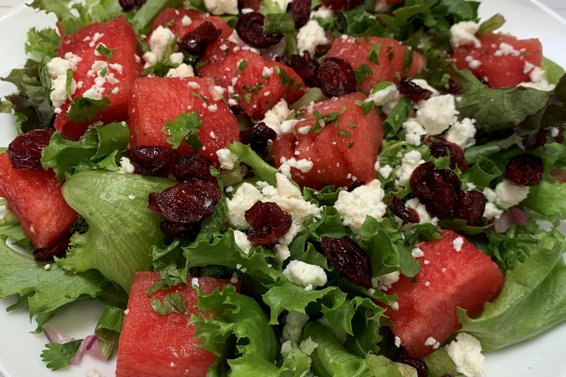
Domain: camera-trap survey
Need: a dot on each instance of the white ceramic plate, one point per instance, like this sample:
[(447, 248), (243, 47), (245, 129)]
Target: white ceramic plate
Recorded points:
[(20, 350)]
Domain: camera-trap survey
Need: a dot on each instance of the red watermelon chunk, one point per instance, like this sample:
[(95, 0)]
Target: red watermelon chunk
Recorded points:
[(36, 200), (447, 279), (258, 86), (153, 345), (155, 100), (177, 19), (356, 50), (340, 155), (506, 68), (123, 69)]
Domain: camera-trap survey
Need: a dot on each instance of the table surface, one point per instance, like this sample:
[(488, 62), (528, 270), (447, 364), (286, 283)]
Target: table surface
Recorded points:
[(559, 6)]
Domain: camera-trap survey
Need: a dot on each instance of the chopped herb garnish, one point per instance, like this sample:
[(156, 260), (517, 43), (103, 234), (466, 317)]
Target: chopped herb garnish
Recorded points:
[(105, 51), (374, 52), (69, 83), (243, 64), (195, 94), (362, 72), (345, 133), (185, 127), (83, 109), (172, 303)]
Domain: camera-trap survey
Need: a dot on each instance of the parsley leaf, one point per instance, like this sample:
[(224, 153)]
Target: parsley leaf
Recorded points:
[(362, 72), (374, 52), (243, 64), (57, 355), (105, 51), (84, 109), (326, 118), (172, 303), (185, 127)]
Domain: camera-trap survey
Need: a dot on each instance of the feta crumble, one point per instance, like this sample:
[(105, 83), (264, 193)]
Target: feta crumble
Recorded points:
[(354, 206), (310, 36), (462, 133), (465, 351), (409, 163), (458, 243), (463, 34), (304, 274), (220, 7)]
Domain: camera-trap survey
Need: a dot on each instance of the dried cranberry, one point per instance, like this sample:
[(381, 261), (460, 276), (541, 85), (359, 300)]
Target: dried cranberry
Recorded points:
[(342, 5), (524, 170), (150, 160), (195, 42), (267, 222), (300, 10), (24, 152), (419, 365), (336, 77), (442, 148), (305, 66), (250, 29), (409, 89), (559, 174), (183, 203), (437, 189), (257, 137), (192, 165), (172, 229), (471, 207), (349, 258), (401, 211), (454, 88), (48, 253), (211, 188), (130, 4)]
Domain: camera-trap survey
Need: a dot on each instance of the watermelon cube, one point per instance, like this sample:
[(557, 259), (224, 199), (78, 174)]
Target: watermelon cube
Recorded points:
[(155, 100), (36, 200), (182, 21), (153, 345), (343, 152), (453, 274), (386, 63), (118, 36), (502, 60), (257, 84)]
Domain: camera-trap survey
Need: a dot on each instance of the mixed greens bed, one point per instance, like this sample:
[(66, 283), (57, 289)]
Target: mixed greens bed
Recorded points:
[(272, 315)]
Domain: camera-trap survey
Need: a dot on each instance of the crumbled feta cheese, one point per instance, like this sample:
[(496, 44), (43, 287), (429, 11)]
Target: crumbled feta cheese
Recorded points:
[(409, 162), (274, 117), (528, 67), (247, 10), (417, 253), (430, 341), (183, 70), (458, 243), (150, 59), (244, 198), (234, 37), (242, 241), (424, 216), (465, 351), (194, 281), (267, 72), (159, 40), (385, 171), (126, 166), (506, 49), (387, 98), (95, 39), (423, 84), (489, 194), (186, 21), (47, 267), (131, 197), (322, 12), (462, 133), (310, 36), (176, 58), (413, 131), (303, 165), (354, 206), (194, 85), (282, 252), (304, 274), (437, 113), (308, 346), (58, 93), (117, 67), (463, 34), (212, 108), (293, 329), (220, 7), (384, 282), (397, 342), (226, 158), (509, 194)]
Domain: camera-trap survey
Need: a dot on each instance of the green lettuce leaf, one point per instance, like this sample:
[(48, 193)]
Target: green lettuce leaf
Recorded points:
[(44, 43), (48, 289), (144, 16), (65, 156), (121, 230), (553, 72), (490, 107), (533, 298), (234, 313), (72, 16), (262, 170)]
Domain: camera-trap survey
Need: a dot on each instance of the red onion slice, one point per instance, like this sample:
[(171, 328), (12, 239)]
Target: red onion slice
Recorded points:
[(55, 336), (87, 343)]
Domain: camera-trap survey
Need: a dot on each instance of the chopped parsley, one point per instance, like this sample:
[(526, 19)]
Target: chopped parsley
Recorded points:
[(243, 64), (172, 303), (185, 127), (84, 109), (105, 51)]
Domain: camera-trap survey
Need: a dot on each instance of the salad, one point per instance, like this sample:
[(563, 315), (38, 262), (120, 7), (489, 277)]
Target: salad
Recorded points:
[(275, 188)]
